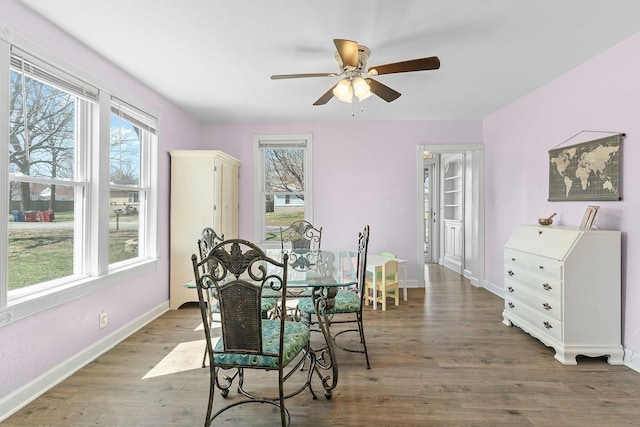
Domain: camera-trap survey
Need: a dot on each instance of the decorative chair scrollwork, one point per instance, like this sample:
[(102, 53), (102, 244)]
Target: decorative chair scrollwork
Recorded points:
[(301, 235), (239, 271)]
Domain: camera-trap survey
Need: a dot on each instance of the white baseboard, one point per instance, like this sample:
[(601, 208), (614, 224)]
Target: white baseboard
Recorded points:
[(493, 288), (631, 360), (472, 279), (16, 400)]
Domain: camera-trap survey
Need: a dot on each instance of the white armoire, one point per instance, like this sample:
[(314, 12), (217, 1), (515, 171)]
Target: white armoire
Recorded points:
[(562, 285), (204, 193)]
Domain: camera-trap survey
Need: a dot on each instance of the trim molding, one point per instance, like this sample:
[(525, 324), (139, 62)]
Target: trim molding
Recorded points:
[(631, 360), (16, 400), (494, 289)]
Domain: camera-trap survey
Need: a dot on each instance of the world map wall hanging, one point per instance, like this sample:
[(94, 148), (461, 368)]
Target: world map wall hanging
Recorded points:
[(586, 171)]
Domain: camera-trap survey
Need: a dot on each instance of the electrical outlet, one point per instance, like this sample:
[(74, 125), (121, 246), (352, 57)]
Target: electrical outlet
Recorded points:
[(102, 320)]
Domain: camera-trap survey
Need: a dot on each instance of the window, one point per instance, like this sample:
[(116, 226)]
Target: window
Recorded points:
[(282, 183), (45, 123), (59, 178), (131, 135)]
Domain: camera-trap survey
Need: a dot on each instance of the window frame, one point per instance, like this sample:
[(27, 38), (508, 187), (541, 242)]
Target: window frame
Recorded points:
[(259, 227), (96, 273), (145, 123)]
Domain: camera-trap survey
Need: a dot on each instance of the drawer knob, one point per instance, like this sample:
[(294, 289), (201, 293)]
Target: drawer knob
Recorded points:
[(546, 306), (511, 305), (539, 232), (546, 287), (510, 273), (541, 267), (547, 325), (510, 289), (513, 259)]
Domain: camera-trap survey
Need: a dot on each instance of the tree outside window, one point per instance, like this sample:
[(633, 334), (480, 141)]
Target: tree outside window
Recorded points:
[(42, 158), (284, 183)]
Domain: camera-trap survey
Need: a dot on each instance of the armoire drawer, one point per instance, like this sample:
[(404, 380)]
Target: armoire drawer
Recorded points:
[(535, 282), (542, 323), (533, 263), (547, 304)]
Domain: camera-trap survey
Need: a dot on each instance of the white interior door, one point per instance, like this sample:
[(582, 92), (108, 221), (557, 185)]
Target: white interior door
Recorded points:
[(471, 238)]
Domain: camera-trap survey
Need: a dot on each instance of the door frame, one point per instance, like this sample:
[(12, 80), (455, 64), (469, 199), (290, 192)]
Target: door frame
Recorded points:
[(434, 192), (474, 215)]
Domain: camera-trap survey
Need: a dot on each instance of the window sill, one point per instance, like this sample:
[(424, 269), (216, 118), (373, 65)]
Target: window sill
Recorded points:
[(22, 307)]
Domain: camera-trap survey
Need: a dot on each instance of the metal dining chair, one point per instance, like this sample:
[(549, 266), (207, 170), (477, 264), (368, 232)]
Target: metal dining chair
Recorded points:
[(348, 302), (239, 270), (207, 241)]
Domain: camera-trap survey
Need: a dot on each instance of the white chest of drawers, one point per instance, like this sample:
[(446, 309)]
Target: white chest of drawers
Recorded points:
[(562, 286)]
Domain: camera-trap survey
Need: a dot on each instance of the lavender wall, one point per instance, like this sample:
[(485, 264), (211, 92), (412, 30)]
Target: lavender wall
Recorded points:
[(602, 94), (31, 346), (355, 163), (363, 173)]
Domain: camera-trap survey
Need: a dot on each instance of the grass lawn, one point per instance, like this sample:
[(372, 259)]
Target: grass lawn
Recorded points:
[(40, 253)]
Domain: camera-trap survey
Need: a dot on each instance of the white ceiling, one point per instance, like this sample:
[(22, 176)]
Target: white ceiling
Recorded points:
[(214, 58)]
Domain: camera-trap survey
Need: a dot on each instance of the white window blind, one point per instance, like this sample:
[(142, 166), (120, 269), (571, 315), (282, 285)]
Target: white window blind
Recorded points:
[(40, 70), (134, 115)]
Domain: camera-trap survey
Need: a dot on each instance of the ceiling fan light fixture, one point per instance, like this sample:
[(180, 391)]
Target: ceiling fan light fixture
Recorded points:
[(343, 90), (361, 88), (365, 96)]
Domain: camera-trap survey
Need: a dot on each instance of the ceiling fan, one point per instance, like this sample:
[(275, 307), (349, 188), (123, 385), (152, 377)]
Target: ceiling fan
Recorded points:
[(352, 60)]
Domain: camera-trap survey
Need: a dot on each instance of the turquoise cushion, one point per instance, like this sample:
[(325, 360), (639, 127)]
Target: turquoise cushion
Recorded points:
[(270, 293), (296, 336), (346, 302), (266, 304)]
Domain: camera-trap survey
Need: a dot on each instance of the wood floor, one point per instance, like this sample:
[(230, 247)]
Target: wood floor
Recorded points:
[(443, 358)]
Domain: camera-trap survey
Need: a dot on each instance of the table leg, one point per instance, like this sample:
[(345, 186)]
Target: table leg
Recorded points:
[(375, 288), (404, 279), (323, 301)]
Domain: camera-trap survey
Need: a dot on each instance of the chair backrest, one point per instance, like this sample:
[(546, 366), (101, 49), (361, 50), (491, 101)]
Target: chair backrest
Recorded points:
[(361, 266), (390, 272), (239, 270), (302, 235), (208, 239)]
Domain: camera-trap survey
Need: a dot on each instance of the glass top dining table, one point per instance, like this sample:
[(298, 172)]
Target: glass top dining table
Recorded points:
[(318, 274), (323, 272), (333, 267)]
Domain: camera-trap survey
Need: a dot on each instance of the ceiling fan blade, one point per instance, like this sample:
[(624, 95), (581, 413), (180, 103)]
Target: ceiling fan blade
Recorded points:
[(348, 51), (326, 97), (421, 64), (383, 91), (298, 76)]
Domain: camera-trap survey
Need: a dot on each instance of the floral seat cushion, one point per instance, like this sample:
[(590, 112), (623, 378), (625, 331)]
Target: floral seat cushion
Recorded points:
[(296, 336), (346, 302)]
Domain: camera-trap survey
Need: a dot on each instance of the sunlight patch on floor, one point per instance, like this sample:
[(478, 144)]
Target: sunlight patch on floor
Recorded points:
[(185, 356), (188, 355)]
